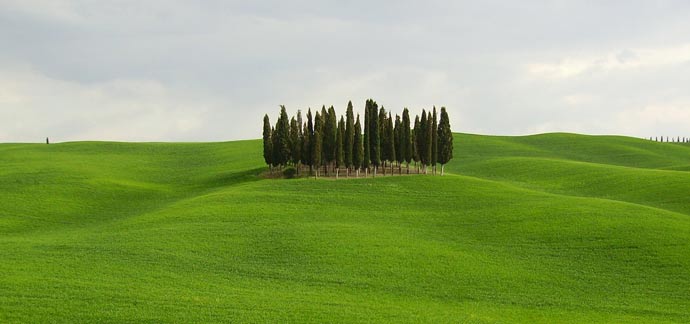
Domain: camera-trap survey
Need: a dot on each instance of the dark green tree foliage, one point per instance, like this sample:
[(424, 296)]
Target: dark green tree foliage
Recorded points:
[(268, 145), (399, 143), (282, 134), (308, 140), (275, 157), (390, 141), (306, 145), (295, 143), (445, 139), (330, 128), (317, 143), (415, 139), (374, 134), (366, 158), (337, 143), (434, 140), (408, 154), (358, 145), (429, 129), (339, 149), (383, 134), (349, 135), (421, 139)]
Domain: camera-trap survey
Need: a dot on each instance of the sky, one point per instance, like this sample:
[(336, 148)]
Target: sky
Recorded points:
[(209, 70)]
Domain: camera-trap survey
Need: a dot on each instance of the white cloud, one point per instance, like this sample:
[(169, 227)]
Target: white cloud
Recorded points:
[(609, 62)]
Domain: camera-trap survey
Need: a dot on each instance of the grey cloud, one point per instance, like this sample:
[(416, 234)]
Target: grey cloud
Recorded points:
[(216, 62)]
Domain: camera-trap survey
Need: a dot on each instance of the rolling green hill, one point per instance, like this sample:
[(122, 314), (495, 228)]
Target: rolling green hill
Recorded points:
[(545, 228)]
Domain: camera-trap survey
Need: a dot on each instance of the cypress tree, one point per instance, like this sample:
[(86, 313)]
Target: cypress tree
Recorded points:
[(416, 142), (349, 136), (282, 133), (374, 135), (390, 141), (366, 158), (275, 157), (339, 149), (306, 145), (399, 143), (317, 144), (445, 139), (383, 134), (268, 144), (407, 141), (358, 147), (295, 144), (330, 134), (434, 141), (421, 140), (308, 141), (428, 146)]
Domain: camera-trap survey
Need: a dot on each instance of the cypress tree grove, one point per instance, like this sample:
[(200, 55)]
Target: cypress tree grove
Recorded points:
[(349, 136), (317, 144), (358, 146), (434, 140), (390, 141), (268, 145), (407, 141), (445, 139), (339, 149), (335, 143)]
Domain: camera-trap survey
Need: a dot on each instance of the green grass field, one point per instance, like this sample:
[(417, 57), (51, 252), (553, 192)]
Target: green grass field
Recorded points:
[(545, 228)]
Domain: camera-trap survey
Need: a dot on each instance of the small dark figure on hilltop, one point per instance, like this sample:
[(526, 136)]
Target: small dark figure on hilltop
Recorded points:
[(47, 141)]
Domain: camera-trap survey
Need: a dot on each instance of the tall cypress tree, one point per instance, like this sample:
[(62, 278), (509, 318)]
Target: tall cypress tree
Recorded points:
[(295, 144), (445, 139), (390, 141), (408, 143), (306, 145), (434, 140), (383, 134), (309, 141), (317, 144), (416, 145), (421, 140), (275, 156), (268, 144), (375, 137), (358, 146), (282, 133), (399, 143), (339, 149), (330, 134), (367, 136), (429, 137), (349, 135)]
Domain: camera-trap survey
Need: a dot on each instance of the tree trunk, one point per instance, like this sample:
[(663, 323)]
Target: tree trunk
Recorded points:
[(442, 169), (336, 173)]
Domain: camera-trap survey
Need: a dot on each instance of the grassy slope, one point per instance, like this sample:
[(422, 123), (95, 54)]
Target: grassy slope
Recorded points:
[(545, 228)]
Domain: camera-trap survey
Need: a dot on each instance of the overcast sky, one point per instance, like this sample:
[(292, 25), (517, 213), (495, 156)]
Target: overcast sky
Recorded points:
[(208, 70)]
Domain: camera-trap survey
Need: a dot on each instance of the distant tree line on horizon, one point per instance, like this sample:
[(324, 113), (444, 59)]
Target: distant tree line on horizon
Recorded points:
[(670, 139), (324, 142)]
